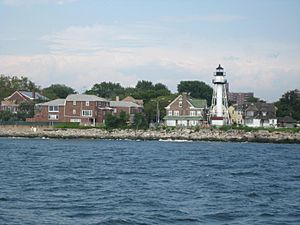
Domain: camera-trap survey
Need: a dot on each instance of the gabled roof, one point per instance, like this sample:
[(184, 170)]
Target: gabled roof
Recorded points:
[(132, 99), (198, 103), (194, 102), (286, 119), (85, 98), (55, 102), (29, 94), (124, 104)]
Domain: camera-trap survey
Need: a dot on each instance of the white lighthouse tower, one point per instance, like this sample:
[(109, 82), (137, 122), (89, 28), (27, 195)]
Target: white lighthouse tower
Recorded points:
[(219, 106)]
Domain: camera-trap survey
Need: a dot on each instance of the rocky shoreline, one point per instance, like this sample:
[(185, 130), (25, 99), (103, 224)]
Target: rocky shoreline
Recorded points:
[(262, 136)]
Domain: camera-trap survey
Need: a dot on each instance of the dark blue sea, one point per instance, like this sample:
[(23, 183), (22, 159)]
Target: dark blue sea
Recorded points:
[(45, 181)]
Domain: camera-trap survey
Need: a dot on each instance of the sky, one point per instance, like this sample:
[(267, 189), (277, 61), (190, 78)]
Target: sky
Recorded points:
[(82, 42)]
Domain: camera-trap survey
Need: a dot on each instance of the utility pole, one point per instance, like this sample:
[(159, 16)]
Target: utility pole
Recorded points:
[(157, 112)]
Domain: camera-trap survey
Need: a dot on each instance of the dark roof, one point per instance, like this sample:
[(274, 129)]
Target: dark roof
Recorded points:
[(286, 119), (219, 67)]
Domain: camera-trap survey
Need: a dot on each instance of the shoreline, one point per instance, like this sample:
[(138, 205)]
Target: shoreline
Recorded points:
[(182, 134)]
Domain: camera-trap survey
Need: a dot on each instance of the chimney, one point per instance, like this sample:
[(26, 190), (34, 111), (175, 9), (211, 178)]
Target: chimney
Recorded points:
[(33, 94), (117, 98)]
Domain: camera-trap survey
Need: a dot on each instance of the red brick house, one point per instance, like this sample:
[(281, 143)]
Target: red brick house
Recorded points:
[(129, 107), (81, 108), (185, 111), (12, 102)]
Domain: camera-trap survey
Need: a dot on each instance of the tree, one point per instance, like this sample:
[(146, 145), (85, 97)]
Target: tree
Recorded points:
[(25, 110), (112, 121), (58, 91), (197, 89), (6, 115), (106, 90), (140, 121), (144, 85), (289, 104), (150, 108), (10, 84)]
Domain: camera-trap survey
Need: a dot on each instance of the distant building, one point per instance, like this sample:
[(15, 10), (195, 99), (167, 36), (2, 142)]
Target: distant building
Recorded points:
[(185, 111), (80, 108), (287, 121), (130, 107), (83, 109), (12, 102), (131, 99), (261, 115), (236, 114), (239, 98)]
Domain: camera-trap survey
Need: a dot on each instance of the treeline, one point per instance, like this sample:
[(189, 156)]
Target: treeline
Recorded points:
[(153, 94)]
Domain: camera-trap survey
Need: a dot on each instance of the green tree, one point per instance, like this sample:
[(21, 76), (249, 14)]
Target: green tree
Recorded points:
[(289, 104), (58, 91), (10, 84), (140, 121), (197, 89), (150, 108), (25, 110), (106, 90), (111, 121), (6, 115), (123, 119), (144, 85)]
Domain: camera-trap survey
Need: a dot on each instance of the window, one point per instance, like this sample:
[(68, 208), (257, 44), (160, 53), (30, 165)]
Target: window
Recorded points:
[(53, 108), (87, 103), (74, 102), (199, 113), (192, 113), (170, 113), (74, 111), (87, 113), (75, 120), (264, 113), (180, 103), (176, 113), (250, 113), (52, 117)]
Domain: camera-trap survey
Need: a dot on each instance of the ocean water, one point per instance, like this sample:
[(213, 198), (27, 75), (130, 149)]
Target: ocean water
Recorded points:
[(148, 182)]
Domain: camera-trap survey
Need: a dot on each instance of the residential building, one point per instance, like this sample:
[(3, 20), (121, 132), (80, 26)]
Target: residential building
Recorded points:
[(236, 114), (52, 111), (239, 98), (12, 102), (130, 108), (287, 121), (261, 115), (81, 108), (185, 111), (131, 99)]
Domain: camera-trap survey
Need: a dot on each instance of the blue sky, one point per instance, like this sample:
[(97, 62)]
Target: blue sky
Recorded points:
[(83, 42)]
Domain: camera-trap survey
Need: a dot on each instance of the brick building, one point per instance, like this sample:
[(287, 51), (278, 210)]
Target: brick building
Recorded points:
[(12, 102), (185, 111), (239, 98)]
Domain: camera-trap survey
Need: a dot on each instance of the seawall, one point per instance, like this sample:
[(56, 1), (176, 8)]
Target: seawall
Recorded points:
[(177, 134)]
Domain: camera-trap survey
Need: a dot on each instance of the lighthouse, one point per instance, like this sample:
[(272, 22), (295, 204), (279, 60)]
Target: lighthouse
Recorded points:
[(219, 107)]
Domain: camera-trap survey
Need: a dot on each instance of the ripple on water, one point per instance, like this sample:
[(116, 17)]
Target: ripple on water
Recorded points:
[(151, 182)]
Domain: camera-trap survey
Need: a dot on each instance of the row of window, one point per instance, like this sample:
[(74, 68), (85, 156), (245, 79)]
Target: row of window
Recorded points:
[(176, 113), (86, 113), (87, 103)]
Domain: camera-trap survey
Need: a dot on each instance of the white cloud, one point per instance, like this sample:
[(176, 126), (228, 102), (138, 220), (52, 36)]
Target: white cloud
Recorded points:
[(81, 56)]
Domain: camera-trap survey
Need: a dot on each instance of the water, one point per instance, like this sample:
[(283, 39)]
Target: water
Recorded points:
[(151, 182)]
